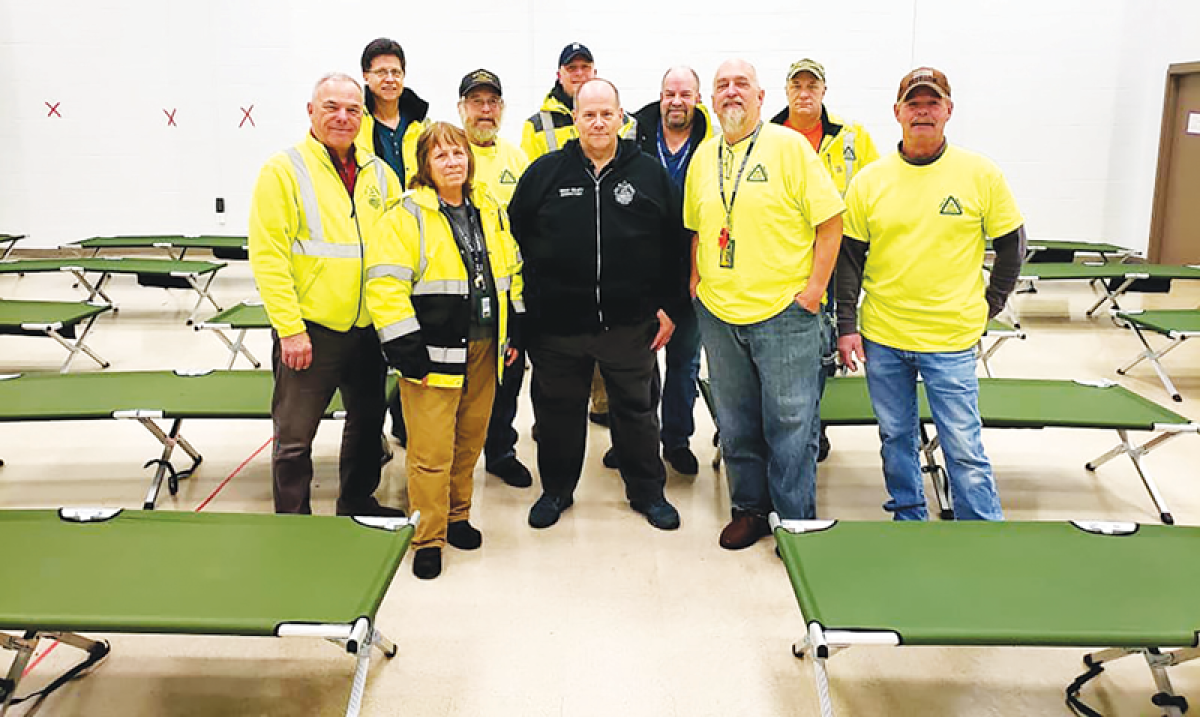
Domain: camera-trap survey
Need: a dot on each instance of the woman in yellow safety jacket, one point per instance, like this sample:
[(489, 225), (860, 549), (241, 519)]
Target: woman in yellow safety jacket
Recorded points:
[(443, 288)]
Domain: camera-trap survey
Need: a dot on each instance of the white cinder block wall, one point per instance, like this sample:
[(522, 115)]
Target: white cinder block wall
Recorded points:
[(1066, 95)]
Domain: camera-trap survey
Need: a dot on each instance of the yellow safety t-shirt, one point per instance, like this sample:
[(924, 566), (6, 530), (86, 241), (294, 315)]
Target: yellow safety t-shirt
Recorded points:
[(500, 167), (784, 194), (927, 226)]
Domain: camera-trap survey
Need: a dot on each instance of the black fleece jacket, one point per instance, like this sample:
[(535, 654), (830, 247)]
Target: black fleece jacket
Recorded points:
[(603, 250)]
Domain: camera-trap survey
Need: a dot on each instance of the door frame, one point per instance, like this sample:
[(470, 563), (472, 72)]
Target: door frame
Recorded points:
[(1166, 140)]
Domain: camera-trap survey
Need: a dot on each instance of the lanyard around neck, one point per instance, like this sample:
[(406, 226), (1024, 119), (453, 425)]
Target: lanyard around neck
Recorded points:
[(728, 204)]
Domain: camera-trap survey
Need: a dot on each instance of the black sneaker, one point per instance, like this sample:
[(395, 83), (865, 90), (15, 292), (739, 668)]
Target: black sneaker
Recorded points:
[(682, 460), (659, 512), (547, 509), (427, 563), (511, 471), (374, 510), (464, 536), (610, 459), (822, 446)]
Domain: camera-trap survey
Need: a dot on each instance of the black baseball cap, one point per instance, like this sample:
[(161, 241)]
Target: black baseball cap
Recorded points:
[(479, 78), (575, 49)]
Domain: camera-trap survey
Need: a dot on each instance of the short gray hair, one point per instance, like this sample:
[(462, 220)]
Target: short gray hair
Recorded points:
[(334, 77), (680, 68)]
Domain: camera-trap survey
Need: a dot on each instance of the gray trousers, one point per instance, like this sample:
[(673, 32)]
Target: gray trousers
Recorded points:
[(352, 362)]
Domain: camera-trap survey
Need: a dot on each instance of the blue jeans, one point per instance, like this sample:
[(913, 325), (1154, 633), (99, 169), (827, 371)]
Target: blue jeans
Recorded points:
[(679, 388), (765, 385), (953, 392)]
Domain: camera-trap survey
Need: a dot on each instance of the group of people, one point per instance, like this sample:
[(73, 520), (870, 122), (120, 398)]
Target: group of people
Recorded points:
[(448, 254)]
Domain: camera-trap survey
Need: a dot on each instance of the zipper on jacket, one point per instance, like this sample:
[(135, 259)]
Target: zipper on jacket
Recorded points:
[(362, 260), (597, 179)]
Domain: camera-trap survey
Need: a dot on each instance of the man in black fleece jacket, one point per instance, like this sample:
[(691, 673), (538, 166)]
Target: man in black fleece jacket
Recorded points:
[(601, 233)]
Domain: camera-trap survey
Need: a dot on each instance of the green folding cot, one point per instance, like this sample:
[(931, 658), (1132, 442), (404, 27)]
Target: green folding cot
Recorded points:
[(164, 273), (114, 571), (9, 241), (1122, 274), (241, 318), (1048, 584), (1032, 404), (175, 245), (1178, 325), (1065, 250), (60, 320), (147, 397)]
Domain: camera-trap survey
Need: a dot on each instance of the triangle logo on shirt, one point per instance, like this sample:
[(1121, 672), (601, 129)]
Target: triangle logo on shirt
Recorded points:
[(758, 174), (506, 177), (951, 207)]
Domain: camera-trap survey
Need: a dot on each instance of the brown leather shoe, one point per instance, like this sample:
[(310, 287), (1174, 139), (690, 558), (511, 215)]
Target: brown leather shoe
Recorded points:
[(744, 530)]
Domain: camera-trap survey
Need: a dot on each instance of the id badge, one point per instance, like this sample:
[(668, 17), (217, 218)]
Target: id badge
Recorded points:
[(485, 307), (727, 247)]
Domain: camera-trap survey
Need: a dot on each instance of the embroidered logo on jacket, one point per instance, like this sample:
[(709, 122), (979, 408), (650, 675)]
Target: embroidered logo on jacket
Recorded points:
[(758, 174), (624, 193), (570, 192), (373, 198), (951, 207), (506, 177)]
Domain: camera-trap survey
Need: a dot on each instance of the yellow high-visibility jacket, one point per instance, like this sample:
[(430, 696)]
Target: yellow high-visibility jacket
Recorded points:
[(846, 147), (418, 292), (308, 236), (553, 125)]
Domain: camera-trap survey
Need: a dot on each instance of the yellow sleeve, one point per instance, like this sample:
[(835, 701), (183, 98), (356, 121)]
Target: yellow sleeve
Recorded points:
[(274, 225), (533, 144), (408, 148), (392, 263), (819, 198), (1001, 215), (854, 223)]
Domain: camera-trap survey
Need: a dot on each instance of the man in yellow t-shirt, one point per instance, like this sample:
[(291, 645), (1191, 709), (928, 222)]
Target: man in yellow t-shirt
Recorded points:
[(767, 223), (499, 165), (916, 225)]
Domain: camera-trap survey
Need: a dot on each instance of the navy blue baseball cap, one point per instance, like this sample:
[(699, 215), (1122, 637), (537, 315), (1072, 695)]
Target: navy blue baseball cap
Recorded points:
[(570, 52)]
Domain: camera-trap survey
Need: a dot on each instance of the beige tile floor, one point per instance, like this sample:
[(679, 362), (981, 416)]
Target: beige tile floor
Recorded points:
[(601, 614)]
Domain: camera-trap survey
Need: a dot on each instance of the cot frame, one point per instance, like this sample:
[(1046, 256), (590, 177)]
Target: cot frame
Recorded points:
[(1151, 355), (236, 345), (357, 638), (168, 245), (74, 348), (822, 643), (10, 242)]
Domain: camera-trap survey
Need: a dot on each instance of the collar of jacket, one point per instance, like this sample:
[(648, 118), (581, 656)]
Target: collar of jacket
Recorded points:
[(627, 151), (314, 147), (427, 198), (411, 106), (650, 117), (557, 100), (829, 126)]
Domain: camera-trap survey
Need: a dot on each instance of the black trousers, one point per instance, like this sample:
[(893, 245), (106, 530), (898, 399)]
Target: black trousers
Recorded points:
[(562, 380), (349, 361)]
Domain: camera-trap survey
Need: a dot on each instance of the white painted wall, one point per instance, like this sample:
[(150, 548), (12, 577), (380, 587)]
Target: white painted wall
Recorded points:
[(1066, 95)]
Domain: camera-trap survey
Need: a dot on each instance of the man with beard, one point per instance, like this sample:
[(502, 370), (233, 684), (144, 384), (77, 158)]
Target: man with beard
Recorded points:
[(499, 165), (767, 223), (670, 130)]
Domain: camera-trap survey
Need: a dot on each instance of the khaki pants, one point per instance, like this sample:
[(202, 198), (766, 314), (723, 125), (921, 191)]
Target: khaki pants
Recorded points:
[(446, 431), (599, 393)]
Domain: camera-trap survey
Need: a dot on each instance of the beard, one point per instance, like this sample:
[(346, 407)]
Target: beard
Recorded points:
[(733, 118), (482, 133), (678, 120)]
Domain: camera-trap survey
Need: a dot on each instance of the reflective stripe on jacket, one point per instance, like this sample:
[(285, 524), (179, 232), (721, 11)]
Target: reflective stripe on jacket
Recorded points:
[(417, 286), (846, 147), (553, 125), (308, 235)]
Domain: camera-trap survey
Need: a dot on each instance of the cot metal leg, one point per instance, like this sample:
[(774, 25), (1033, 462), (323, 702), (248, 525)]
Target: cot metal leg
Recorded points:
[(1153, 357), (97, 289), (372, 638), (24, 647), (163, 466), (76, 347), (1135, 454), (937, 474), (237, 346), (814, 644), (1172, 704), (202, 290), (982, 356), (1111, 296)]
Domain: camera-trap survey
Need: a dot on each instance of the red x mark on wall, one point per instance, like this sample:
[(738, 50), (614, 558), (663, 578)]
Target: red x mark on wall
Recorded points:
[(246, 116), (53, 109), (171, 116)]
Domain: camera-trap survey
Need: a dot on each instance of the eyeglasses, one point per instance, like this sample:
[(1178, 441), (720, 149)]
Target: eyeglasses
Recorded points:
[(385, 72), (481, 102)]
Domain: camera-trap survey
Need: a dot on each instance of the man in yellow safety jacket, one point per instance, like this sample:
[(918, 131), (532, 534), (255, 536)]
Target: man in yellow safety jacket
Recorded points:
[(315, 209)]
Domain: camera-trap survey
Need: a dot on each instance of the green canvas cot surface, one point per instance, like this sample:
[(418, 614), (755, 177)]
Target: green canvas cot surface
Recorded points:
[(14, 313), (177, 241), (1009, 583), (1108, 271), (242, 316), (113, 265), (193, 573), (1166, 321)]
